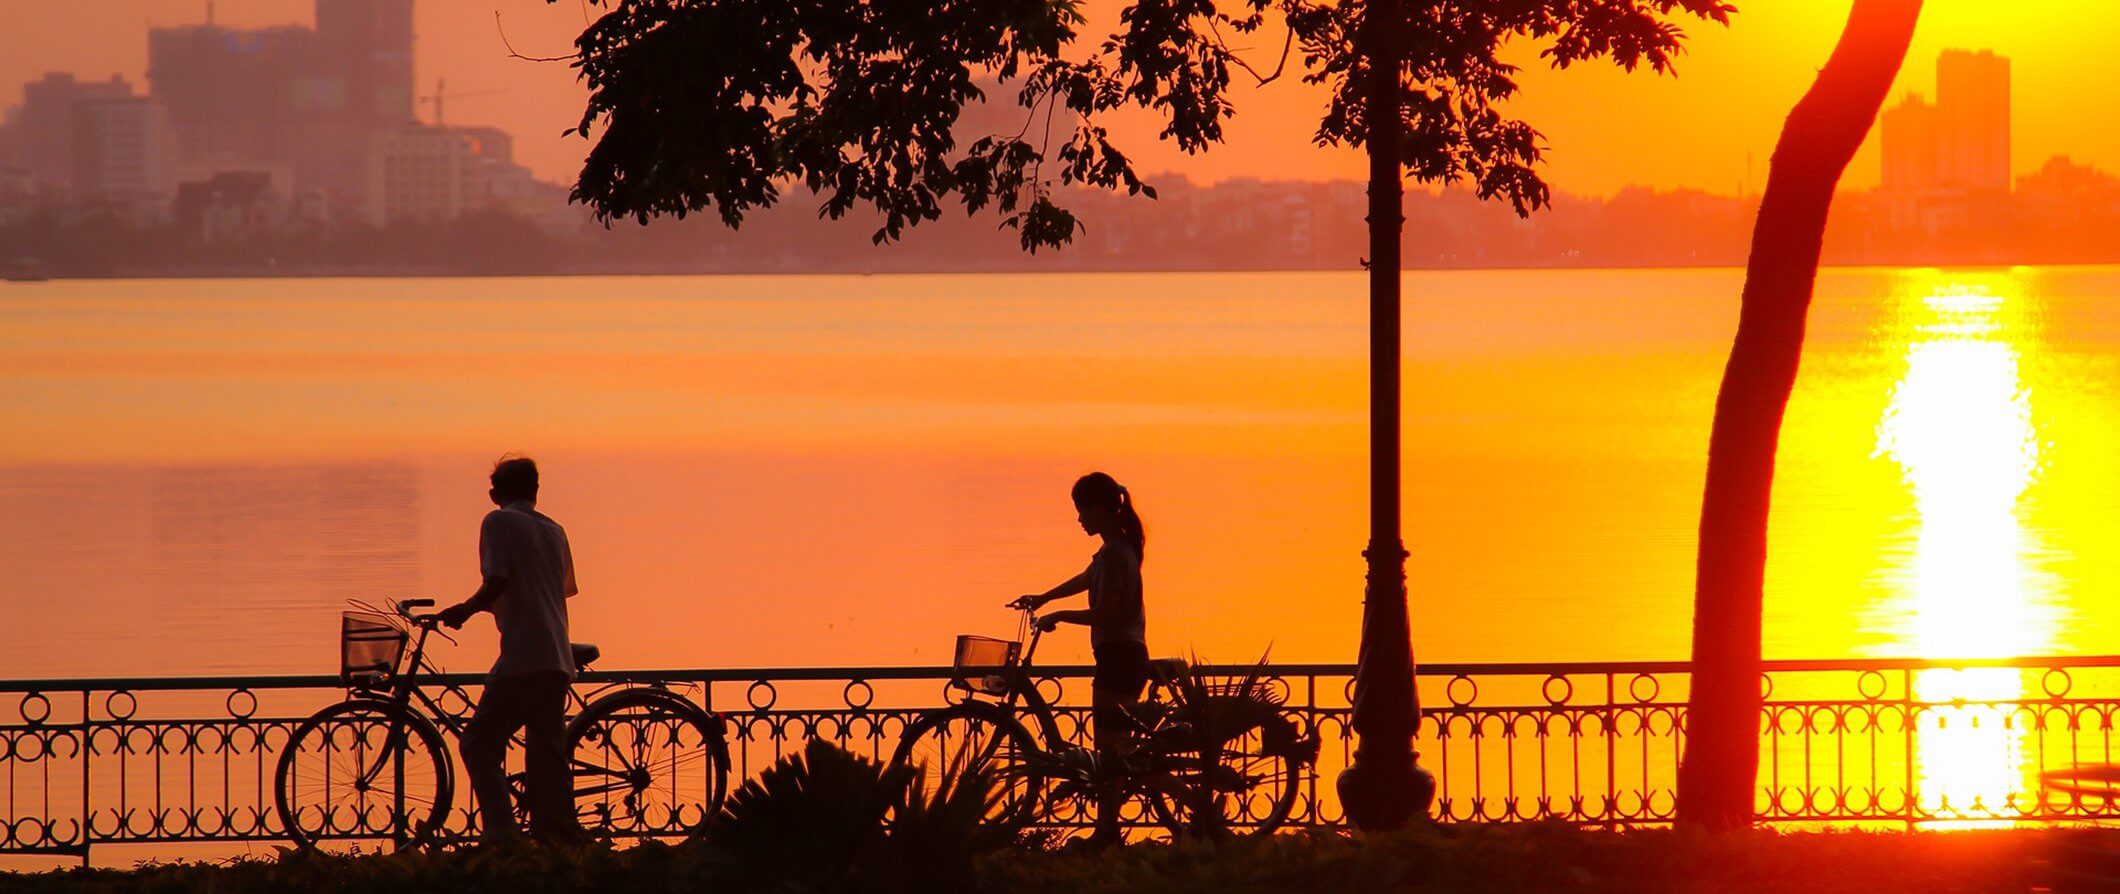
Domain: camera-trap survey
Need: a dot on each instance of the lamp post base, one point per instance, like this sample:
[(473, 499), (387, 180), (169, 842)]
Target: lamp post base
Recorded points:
[(1385, 792)]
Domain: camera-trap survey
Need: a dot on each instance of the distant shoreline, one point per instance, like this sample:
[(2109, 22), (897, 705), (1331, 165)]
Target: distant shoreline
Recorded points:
[(447, 272)]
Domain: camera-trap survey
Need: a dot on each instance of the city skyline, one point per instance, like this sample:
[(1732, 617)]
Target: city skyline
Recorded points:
[(1711, 128)]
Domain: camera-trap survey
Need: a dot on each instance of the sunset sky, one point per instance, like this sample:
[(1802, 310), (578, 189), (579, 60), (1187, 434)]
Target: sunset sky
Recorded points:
[(1710, 128)]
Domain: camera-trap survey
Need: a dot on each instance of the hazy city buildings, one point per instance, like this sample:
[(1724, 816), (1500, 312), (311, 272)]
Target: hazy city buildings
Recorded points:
[(1960, 142), (1973, 107), (120, 149), (302, 103), (248, 132), (42, 131), (423, 174)]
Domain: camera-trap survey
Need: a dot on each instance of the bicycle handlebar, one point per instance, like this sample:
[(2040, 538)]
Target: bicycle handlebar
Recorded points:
[(405, 607)]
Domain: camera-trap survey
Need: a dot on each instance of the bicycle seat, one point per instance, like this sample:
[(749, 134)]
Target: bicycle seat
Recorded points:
[(585, 654)]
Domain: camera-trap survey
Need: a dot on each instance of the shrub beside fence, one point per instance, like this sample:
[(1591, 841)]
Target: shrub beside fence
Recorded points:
[(1907, 744)]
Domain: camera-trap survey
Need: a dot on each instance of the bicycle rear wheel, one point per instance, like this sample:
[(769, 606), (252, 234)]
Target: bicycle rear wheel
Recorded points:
[(944, 745), (647, 762), (363, 769), (1244, 777)]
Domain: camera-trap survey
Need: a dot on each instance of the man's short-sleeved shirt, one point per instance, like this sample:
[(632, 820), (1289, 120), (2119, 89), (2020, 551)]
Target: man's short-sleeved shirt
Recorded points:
[(521, 544)]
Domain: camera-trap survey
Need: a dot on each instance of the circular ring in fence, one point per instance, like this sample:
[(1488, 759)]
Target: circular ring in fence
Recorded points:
[(867, 694), (242, 703), (1567, 690), (1871, 684), (1766, 687), (771, 696), (110, 705), (1347, 691), (2047, 681), (1636, 688), (1460, 696), (35, 708), (27, 749), (1050, 689), (462, 704), (28, 832)]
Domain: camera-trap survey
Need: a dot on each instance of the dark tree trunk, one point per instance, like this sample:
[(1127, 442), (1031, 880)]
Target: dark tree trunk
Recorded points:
[(1721, 765)]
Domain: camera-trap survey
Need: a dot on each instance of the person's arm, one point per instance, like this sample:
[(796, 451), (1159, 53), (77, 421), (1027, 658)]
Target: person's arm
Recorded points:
[(494, 558), (489, 592), (1077, 584), (1050, 620)]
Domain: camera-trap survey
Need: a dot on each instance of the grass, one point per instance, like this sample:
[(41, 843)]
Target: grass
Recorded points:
[(1425, 859)]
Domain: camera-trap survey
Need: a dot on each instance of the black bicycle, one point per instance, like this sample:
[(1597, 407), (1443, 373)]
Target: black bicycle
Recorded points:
[(1204, 756), (646, 761)]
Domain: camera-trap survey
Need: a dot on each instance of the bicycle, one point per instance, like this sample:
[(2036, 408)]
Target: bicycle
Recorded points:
[(1205, 757), (645, 760)]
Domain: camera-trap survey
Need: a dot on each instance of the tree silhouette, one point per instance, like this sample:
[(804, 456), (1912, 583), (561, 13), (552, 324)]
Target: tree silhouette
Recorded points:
[(698, 104), (1821, 134)]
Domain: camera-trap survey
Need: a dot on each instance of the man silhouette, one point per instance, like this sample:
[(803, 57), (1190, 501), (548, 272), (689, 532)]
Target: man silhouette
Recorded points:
[(528, 574)]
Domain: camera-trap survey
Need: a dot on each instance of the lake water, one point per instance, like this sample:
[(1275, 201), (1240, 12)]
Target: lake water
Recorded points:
[(195, 475)]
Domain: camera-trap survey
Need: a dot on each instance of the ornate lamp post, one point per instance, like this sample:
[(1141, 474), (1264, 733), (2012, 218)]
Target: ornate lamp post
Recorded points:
[(1384, 787)]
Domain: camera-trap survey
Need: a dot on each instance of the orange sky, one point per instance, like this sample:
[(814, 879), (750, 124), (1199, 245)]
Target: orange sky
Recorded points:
[(1704, 129)]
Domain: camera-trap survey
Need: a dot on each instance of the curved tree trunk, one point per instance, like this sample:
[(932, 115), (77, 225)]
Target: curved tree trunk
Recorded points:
[(1721, 764)]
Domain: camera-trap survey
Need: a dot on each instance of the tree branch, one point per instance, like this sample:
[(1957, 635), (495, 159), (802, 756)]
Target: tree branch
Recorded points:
[(512, 54)]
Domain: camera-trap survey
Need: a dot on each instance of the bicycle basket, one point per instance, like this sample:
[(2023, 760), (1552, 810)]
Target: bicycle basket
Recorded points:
[(369, 646), (980, 660)]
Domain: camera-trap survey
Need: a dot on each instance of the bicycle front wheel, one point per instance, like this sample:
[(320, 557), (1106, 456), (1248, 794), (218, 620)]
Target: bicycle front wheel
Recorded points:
[(945, 745), (647, 762), (363, 769)]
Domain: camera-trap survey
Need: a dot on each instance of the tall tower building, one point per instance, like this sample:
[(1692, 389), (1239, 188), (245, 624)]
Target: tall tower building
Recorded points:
[(1960, 142), (119, 149), (1973, 105), (43, 130), (366, 45), (1909, 147), (235, 97), (365, 59)]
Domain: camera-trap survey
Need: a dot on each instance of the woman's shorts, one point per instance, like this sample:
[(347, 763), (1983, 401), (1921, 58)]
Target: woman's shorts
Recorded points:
[(1122, 670)]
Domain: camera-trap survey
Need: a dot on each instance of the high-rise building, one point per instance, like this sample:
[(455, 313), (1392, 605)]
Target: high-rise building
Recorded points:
[(120, 149), (420, 173), (1973, 108), (235, 97), (305, 99), (1962, 142), (44, 128), (366, 47), (365, 61), (1910, 145)]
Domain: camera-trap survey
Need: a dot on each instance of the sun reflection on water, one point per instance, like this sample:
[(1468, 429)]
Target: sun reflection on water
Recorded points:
[(1961, 427)]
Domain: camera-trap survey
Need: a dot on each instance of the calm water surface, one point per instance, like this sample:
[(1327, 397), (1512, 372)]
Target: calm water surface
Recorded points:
[(194, 475)]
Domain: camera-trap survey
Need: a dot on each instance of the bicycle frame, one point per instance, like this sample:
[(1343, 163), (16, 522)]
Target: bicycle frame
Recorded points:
[(1019, 682)]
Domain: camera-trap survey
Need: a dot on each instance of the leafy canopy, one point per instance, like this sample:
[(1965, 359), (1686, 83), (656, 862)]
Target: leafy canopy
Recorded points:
[(719, 104)]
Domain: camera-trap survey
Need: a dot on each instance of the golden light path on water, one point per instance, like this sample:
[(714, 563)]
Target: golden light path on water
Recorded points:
[(1961, 425)]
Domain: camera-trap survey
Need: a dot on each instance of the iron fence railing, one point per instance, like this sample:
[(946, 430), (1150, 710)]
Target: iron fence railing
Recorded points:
[(1909, 743)]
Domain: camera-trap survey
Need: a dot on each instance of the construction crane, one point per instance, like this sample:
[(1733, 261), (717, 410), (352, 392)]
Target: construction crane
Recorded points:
[(442, 94)]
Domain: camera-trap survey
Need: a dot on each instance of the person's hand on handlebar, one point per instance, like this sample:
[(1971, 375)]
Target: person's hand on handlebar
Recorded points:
[(1047, 624), (456, 615), (1029, 602)]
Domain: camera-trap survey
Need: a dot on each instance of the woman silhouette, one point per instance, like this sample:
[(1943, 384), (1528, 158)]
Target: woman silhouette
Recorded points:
[(1116, 619)]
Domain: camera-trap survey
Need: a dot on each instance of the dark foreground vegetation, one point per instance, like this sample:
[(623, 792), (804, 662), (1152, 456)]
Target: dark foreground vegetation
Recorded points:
[(1428, 859), (816, 824)]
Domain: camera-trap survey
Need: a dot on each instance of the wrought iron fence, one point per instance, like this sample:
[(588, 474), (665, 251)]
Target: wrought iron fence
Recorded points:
[(1908, 743)]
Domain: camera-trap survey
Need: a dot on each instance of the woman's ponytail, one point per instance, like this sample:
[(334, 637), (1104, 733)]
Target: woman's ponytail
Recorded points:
[(1102, 491)]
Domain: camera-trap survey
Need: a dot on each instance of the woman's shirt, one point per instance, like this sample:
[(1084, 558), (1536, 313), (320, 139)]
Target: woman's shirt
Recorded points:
[(1118, 615)]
